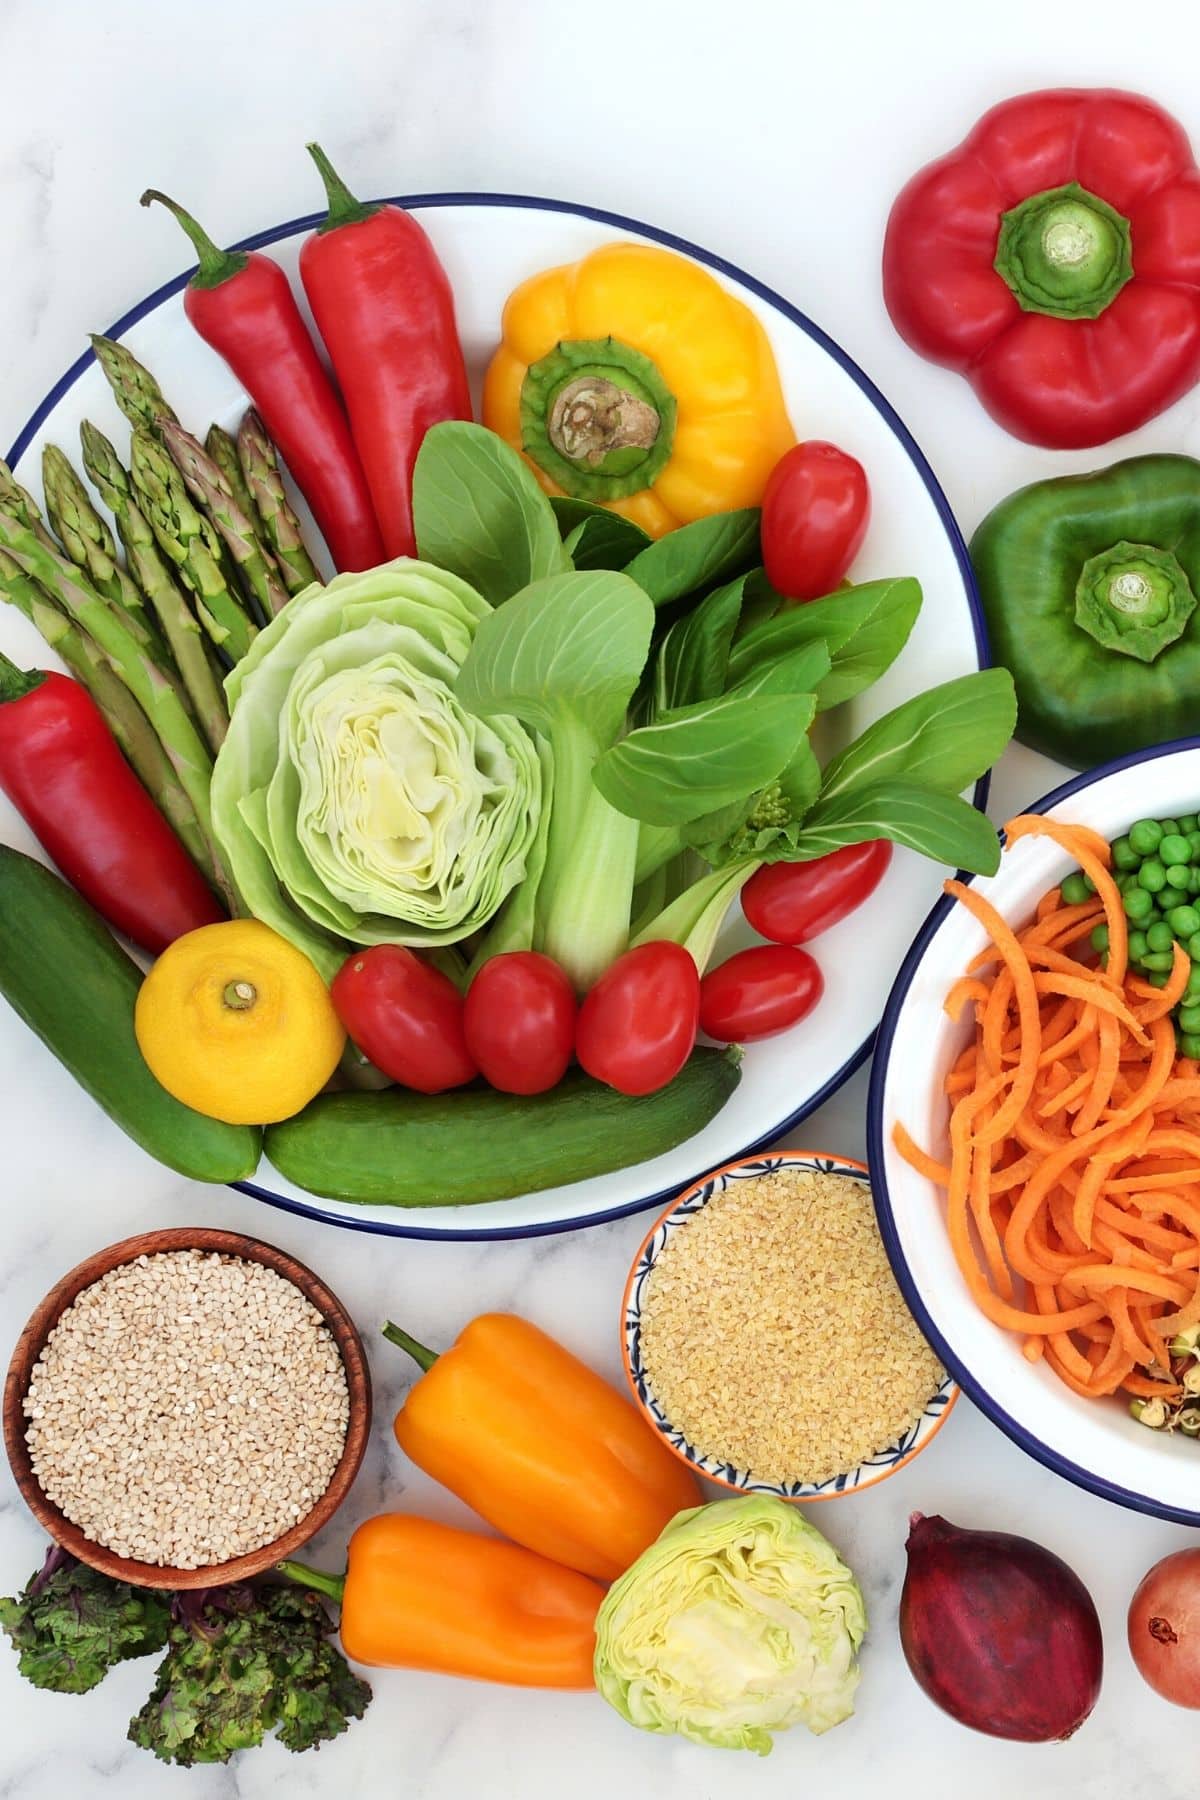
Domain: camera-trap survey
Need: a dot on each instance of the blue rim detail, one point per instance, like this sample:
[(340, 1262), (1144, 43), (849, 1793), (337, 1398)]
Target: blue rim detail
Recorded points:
[(985, 1401), (619, 221)]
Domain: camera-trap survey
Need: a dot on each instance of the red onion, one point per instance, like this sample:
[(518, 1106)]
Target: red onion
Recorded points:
[(1000, 1633)]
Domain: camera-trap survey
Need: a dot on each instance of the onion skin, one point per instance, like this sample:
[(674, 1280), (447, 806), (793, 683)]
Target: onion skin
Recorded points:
[(999, 1632), (1164, 1628)]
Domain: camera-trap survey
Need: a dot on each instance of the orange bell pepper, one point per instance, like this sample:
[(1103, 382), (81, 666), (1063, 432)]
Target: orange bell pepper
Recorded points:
[(419, 1595), (540, 1446)]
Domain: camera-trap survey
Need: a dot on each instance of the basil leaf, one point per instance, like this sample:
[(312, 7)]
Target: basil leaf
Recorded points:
[(943, 739), (940, 826), (604, 541), (837, 619), (564, 652), (697, 555), (694, 655), (874, 647), (701, 757), (478, 512)]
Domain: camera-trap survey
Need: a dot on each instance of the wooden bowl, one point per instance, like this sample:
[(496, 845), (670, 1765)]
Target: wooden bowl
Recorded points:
[(29, 1348)]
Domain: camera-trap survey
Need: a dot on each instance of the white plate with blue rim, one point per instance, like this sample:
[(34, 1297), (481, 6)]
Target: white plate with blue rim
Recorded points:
[(489, 243)]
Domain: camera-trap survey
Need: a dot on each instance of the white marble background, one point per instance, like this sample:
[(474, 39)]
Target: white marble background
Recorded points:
[(775, 132)]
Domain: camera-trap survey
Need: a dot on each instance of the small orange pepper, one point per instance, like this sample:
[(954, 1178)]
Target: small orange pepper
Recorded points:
[(419, 1595), (540, 1446)]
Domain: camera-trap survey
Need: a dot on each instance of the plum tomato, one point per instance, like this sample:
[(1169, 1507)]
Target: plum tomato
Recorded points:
[(638, 1024), (815, 512), (793, 902), (520, 1022), (405, 1016), (759, 992)]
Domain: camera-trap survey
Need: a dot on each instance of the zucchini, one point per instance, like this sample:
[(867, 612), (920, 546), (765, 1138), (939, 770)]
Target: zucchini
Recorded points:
[(63, 971), (399, 1148)]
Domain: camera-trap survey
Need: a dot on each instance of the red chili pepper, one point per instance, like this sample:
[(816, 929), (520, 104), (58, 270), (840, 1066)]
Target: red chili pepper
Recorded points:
[(242, 304), (385, 310), (62, 770), (1053, 258)]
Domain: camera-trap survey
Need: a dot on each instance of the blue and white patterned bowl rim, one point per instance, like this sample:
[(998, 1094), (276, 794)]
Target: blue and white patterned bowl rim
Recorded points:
[(875, 1468)]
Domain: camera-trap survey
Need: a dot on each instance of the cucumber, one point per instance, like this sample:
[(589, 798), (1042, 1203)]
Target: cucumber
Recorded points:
[(399, 1148), (68, 978)]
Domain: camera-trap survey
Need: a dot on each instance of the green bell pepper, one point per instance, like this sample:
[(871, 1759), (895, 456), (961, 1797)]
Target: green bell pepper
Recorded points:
[(1089, 585)]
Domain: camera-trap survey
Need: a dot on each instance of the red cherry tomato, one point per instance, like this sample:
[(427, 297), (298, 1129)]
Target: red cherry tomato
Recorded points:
[(792, 902), (815, 512), (638, 1024), (520, 1022), (759, 992), (406, 1016)]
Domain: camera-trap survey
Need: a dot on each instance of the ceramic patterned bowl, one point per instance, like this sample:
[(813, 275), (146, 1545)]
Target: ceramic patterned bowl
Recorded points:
[(876, 1468)]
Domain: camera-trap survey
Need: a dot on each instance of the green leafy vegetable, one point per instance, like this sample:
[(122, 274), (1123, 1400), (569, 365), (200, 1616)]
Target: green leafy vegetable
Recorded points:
[(863, 628), (700, 757), (740, 1621), (943, 739), (243, 1662), (604, 540), (940, 826), (693, 658), (357, 800), (697, 555), (71, 1624), (478, 512)]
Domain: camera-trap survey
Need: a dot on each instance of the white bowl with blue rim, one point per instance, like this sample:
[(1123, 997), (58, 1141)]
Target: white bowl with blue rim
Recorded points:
[(1094, 1443), (885, 1461)]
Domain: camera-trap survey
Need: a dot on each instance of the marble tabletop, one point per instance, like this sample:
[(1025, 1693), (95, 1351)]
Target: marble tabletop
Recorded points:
[(776, 133)]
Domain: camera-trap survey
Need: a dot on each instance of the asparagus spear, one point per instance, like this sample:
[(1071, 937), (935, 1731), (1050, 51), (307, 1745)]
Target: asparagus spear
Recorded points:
[(124, 717), (85, 607), (259, 464), (88, 542), (154, 577), (210, 490), (223, 450), (188, 540), (21, 504), (134, 388)]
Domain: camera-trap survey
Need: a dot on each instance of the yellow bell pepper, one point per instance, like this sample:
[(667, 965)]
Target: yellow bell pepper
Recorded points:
[(635, 380)]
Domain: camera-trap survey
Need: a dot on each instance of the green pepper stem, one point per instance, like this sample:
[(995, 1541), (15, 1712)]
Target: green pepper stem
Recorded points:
[(216, 265), (418, 1352), (344, 209), (332, 1586), (16, 683)]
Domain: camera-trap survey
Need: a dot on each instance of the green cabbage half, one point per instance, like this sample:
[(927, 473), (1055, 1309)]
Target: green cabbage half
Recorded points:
[(355, 800), (739, 1621)]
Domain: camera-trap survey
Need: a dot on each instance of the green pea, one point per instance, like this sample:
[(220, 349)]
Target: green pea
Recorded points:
[(1145, 836), (1124, 855), (1157, 977), (1193, 950), (1194, 844), (1099, 938), (1179, 877), (1125, 880), (1158, 961), (1169, 827), (1160, 936), (1137, 943), (1184, 921), (1152, 876), (1074, 890), (1188, 1019), (1188, 1044), (1174, 849), (1188, 822), (1138, 904)]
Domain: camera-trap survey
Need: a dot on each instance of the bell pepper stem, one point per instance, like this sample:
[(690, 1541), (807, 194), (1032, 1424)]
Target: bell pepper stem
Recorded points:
[(344, 209), (16, 683), (418, 1352), (332, 1586), (216, 265)]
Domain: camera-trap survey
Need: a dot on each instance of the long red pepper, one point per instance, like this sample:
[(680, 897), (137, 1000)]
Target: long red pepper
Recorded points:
[(62, 770), (383, 305), (242, 304)]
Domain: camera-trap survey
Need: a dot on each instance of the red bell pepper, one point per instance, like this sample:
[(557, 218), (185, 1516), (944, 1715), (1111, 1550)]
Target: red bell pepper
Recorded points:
[(62, 770), (1053, 258), (242, 304), (383, 305)]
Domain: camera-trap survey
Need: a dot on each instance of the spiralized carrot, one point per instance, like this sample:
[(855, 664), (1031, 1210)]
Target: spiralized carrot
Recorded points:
[(1073, 1180)]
